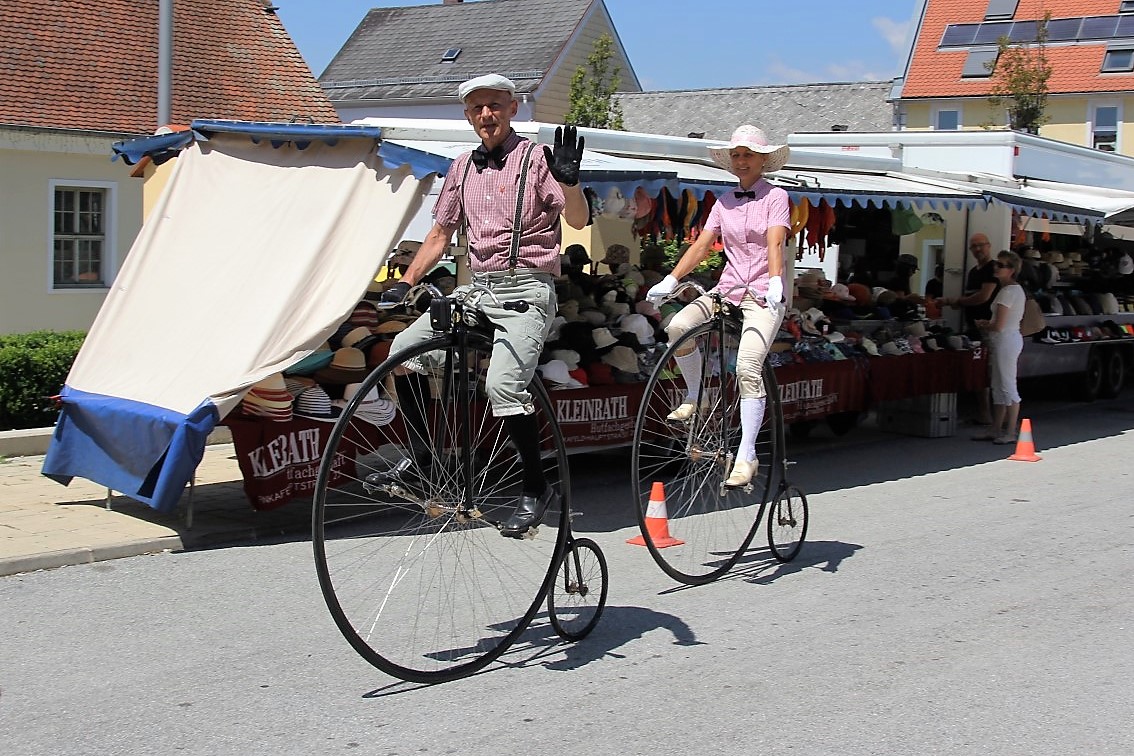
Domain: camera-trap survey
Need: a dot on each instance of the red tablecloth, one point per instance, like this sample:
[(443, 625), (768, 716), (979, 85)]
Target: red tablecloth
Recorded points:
[(280, 461)]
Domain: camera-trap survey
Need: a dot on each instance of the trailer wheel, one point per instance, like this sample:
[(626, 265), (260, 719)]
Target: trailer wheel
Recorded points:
[(1091, 383), (1114, 374)]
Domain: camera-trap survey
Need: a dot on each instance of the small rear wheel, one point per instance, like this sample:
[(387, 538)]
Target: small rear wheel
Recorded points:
[(787, 523), (578, 593)]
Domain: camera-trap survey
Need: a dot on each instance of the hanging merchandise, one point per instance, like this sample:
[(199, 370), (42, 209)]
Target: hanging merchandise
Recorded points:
[(904, 221), (819, 224), (643, 212), (799, 213), (673, 229), (1019, 228)]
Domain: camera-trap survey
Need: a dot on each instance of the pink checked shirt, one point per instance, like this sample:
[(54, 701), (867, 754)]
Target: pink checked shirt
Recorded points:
[(742, 225), (489, 204)]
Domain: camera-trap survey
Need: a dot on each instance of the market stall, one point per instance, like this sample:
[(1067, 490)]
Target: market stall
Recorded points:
[(268, 236)]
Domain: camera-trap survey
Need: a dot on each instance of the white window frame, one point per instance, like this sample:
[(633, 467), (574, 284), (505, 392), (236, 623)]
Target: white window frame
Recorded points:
[(110, 234), (937, 110), (1094, 108)]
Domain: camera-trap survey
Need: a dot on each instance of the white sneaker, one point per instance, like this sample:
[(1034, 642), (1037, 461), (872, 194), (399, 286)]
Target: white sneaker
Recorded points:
[(683, 412), (742, 473)]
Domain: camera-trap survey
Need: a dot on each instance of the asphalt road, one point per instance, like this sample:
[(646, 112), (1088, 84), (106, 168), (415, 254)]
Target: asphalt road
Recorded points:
[(949, 601)]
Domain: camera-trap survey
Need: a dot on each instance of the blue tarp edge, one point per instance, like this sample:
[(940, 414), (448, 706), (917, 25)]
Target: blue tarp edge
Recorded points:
[(145, 452)]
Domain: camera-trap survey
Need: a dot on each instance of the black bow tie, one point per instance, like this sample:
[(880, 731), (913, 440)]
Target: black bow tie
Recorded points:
[(742, 195), (481, 157)]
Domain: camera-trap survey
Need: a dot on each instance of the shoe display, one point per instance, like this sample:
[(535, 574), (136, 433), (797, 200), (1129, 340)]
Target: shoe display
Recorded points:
[(742, 473), (683, 412), (529, 512)]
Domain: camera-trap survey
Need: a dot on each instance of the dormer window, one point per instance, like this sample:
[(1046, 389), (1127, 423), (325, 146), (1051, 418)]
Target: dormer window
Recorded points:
[(450, 54)]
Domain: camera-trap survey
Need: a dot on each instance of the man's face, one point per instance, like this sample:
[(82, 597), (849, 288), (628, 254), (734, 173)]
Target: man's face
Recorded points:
[(490, 112), (980, 248)]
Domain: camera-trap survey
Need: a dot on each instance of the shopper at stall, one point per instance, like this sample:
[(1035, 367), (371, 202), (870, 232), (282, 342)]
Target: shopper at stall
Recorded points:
[(1002, 333), (481, 189), (981, 286), (752, 222)]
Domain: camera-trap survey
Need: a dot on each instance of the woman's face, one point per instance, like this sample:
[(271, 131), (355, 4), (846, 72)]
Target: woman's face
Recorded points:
[(746, 164), (1004, 271)]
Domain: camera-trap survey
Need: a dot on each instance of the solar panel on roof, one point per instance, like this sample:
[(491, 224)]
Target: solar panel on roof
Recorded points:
[(1063, 29), (1023, 31), (988, 34), (1098, 27), (959, 34)]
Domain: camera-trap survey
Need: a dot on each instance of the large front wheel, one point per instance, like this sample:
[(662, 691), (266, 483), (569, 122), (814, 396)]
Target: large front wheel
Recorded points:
[(416, 478), (698, 529)]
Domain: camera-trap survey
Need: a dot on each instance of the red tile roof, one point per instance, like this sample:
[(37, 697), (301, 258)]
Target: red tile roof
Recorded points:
[(934, 73), (92, 65)]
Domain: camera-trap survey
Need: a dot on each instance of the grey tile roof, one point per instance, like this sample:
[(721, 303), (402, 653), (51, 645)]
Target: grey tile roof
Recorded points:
[(778, 110), (396, 52)]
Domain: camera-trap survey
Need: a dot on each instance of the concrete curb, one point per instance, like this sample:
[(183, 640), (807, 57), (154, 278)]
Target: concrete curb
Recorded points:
[(87, 555), (33, 442)]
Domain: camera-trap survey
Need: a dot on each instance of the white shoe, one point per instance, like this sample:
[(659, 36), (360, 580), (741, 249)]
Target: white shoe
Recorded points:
[(683, 412), (742, 473)]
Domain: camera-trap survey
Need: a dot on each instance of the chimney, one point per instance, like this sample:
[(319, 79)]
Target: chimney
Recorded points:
[(452, 2)]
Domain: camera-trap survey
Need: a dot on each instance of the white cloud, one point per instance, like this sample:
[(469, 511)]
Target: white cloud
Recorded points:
[(896, 33)]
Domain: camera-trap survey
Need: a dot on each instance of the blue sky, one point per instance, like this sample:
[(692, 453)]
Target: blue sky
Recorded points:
[(694, 44)]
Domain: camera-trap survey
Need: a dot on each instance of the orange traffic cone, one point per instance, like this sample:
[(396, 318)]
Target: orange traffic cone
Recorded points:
[(1025, 447), (657, 521)]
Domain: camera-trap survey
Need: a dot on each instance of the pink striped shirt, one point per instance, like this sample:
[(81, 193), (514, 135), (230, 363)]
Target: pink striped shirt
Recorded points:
[(742, 225), (488, 201)]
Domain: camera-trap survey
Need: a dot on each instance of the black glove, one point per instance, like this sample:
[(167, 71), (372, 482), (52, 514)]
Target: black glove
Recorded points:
[(564, 160), (396, 293)]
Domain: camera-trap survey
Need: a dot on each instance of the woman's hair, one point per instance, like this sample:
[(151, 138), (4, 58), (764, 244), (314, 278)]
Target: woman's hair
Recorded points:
[(1011, 258)]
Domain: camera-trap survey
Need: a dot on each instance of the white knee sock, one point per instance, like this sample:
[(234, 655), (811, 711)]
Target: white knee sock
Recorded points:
[(690, 365), (751, 418)]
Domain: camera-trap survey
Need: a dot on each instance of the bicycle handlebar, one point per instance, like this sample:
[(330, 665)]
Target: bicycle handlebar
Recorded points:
[(683, 285)]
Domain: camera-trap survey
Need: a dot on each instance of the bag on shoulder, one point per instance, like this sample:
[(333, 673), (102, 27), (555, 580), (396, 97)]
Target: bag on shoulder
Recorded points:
[(1033, 321)]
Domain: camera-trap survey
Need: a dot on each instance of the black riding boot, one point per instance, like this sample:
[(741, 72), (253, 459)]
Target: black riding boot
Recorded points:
[(536, 496)]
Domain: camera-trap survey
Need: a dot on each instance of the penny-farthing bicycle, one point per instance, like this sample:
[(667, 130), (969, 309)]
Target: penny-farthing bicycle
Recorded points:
[(407, 515), (709, 525)]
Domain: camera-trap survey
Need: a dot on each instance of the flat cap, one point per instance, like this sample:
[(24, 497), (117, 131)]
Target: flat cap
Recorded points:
[(488, 81)]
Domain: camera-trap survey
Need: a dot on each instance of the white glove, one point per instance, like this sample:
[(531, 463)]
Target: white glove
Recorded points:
[(775, 295), (660, 291)]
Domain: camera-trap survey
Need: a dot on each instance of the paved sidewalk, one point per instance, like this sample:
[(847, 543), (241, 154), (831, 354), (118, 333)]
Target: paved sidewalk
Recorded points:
[(44, 524)]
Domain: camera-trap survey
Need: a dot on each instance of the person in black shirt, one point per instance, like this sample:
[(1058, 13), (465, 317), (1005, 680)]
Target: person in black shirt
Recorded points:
[(981, 286)]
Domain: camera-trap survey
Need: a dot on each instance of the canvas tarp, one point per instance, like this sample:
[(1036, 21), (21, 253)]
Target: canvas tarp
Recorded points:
[(252, 256)]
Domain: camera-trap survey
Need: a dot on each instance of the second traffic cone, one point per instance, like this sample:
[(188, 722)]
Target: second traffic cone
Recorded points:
[(657, 521), (1025, 447)]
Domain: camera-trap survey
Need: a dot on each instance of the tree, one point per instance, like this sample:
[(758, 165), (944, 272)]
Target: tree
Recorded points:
[(592, 88), (1021, 72)]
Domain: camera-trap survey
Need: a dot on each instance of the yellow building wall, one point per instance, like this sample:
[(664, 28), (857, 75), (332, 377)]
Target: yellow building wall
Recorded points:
[(1068, 117), (29, 162), (554, 95)]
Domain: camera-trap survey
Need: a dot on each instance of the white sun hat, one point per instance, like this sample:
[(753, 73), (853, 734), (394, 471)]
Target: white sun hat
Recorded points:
[(756, 140)]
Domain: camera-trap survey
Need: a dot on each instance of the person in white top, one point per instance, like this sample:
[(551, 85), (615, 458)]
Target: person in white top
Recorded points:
[(1002, 334)]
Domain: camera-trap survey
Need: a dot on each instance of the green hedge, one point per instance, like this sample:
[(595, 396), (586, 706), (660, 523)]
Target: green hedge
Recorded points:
[(33, 367)]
